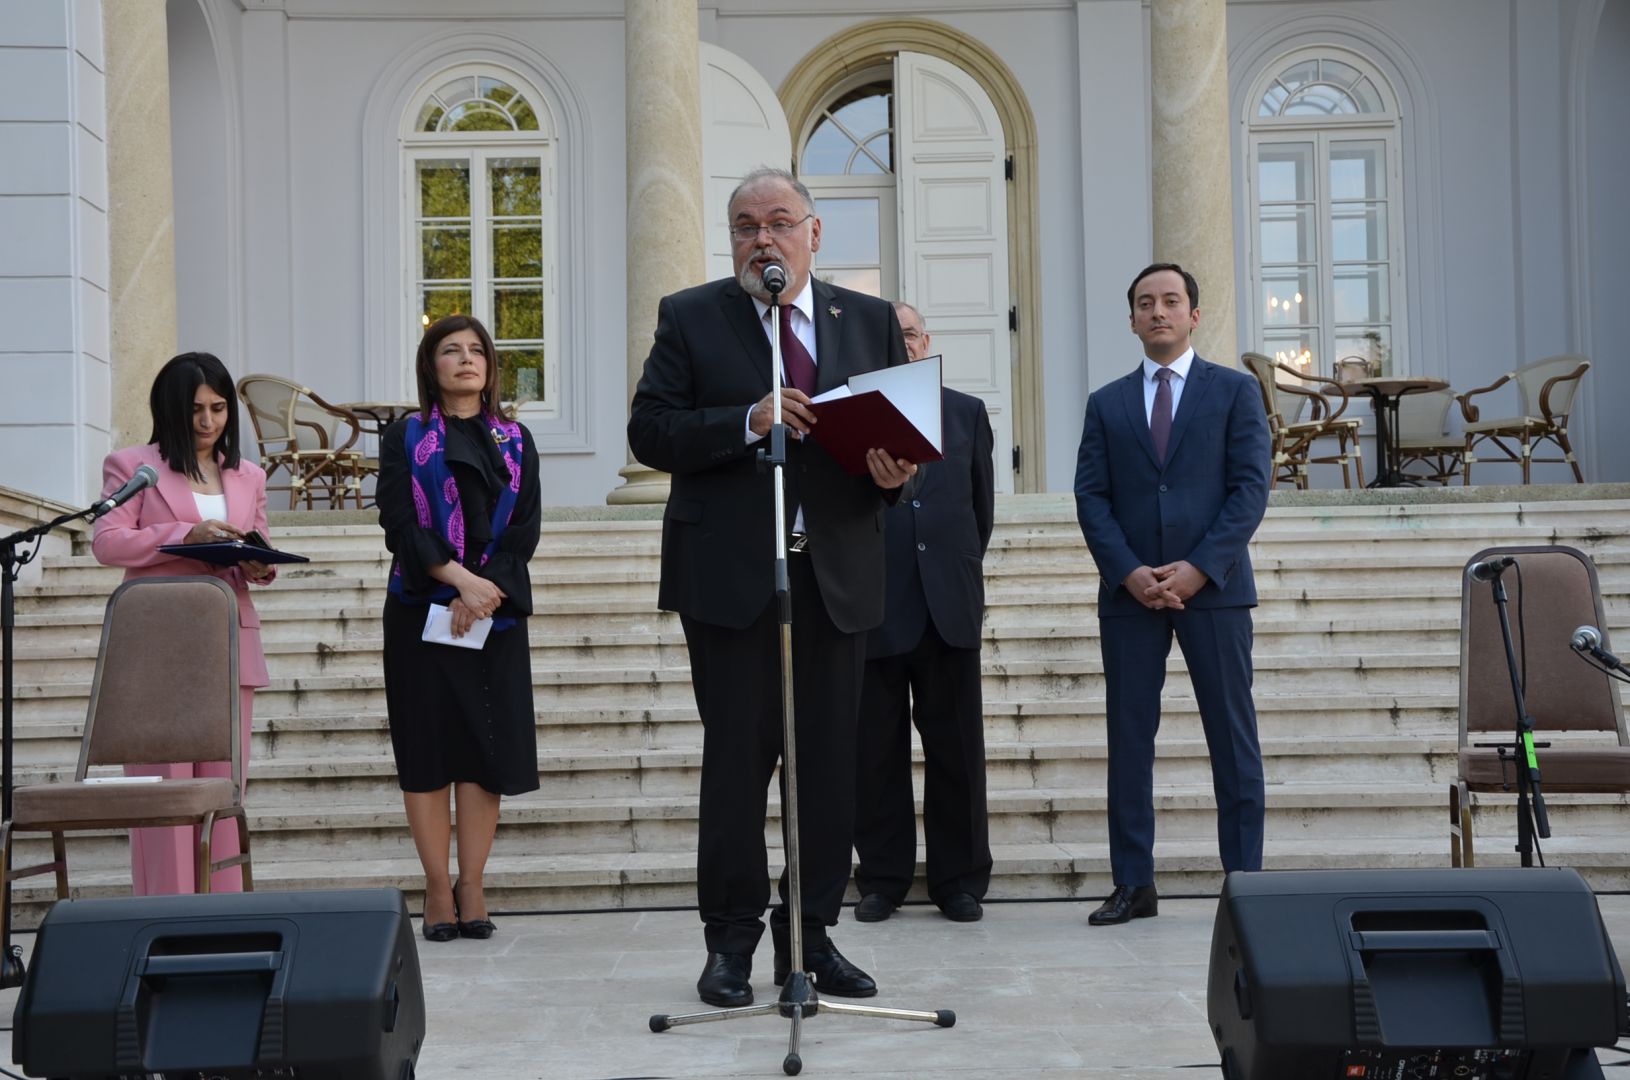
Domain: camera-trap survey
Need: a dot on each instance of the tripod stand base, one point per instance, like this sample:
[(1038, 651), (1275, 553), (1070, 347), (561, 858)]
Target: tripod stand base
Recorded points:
[(799, 1000)]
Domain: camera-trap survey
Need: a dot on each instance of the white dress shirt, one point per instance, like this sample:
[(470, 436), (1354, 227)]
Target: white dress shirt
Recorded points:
[(1180, 376), (803, 327)]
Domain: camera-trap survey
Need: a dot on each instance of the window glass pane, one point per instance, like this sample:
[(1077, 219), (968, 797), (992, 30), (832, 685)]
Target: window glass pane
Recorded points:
[(495, 90), (1287, 234), (1284, 172), (1295, 346), (459, 90), (1305, 72), (1287, 296), (438, 302), (865, 115), (1358, 232), (478, 116), (517, 313), (515, 186), (525, 118), (878, 157), (520, 375), (517, 250), (430, 116), (1367, 97), (444, 253), (1361, 294), (1273, 100), (849, 231), (1372, 343), (868, 281), (1334, 71), (444, 189), (827, 151), (1320, 99), (1357, 170)]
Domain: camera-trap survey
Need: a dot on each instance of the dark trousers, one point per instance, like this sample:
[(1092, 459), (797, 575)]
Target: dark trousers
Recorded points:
[(1216, 644), (736, 676), (937, 687)]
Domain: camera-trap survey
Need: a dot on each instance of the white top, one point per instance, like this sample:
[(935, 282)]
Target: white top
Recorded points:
[(1180, 375), (210, 507)]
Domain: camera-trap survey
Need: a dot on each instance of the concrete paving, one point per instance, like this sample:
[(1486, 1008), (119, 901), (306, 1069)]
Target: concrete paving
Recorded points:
[(1036, 992)]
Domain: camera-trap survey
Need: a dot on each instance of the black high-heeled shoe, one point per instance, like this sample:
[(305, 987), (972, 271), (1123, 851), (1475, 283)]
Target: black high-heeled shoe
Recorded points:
[(442, 931), (480, 929)]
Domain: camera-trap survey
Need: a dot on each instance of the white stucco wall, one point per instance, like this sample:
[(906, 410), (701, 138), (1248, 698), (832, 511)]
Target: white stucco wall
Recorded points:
[(54, 408)]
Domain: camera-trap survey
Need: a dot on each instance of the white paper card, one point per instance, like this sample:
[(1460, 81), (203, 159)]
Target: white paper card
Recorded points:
[(912, 388), (122, 779), (438, 629)]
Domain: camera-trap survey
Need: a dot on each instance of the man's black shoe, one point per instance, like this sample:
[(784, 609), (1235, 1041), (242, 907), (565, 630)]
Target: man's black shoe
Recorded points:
[(1126, 903), (961, 907), (725, 980), (833, 974), (874, 907)]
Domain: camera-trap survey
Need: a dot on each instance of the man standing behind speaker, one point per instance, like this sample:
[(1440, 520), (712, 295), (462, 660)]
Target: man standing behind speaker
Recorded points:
[(1170, 485), (922, 665), (700, 410)]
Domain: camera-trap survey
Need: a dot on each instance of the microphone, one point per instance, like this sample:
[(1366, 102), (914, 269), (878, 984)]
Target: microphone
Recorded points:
[(1490, 570), (145, 477), (775, 278), (1589, 639)]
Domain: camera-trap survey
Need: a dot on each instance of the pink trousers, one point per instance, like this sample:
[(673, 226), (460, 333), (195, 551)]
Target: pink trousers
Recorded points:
[(162, 861)]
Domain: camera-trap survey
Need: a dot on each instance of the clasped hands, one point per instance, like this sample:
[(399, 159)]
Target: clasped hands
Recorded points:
[(1165, 587), (477, 598), (887, 472)]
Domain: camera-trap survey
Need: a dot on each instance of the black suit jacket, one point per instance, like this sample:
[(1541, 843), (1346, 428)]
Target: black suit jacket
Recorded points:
[(709, 363), (1202, 504)]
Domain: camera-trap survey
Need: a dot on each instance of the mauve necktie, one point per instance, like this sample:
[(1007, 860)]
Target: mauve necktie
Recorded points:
[(1160, 419), (799, 365)]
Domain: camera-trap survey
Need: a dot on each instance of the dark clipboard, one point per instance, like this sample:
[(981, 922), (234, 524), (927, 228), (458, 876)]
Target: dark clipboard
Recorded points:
[(232, 552)]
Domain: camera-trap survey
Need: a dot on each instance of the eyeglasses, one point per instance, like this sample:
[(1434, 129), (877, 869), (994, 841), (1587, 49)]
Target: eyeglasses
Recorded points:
[(743, 234)]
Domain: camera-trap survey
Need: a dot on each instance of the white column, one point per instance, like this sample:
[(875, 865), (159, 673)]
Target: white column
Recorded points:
[(1192, 173), (665, 249), (141, 208)]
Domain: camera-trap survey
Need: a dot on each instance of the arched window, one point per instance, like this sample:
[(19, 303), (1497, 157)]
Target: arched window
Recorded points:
[(478, 158), (1324, 174), (848, 165)]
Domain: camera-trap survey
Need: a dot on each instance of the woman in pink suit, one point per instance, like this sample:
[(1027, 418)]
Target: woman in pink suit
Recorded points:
[(205, 492)]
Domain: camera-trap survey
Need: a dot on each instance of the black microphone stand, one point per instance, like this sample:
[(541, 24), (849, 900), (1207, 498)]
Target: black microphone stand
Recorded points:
[(798, 998), (1531, 816), (12, 561)]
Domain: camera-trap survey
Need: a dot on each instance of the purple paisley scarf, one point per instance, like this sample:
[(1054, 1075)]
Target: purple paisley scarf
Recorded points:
[(435, 492)]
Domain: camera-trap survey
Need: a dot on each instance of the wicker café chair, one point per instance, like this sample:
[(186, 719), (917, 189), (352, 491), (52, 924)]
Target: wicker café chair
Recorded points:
[(1424, 437), (1293, 439), (1546, 389), (165, 689), (1576, 709), (308, 439)]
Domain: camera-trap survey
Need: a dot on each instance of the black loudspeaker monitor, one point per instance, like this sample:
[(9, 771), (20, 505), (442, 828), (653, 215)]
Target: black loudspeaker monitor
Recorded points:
[(1412, 975), (315, 985)]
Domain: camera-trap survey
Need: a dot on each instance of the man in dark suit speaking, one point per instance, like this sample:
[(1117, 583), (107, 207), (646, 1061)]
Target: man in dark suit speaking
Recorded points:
[(923, 664), (701, 408), (1170, 485)]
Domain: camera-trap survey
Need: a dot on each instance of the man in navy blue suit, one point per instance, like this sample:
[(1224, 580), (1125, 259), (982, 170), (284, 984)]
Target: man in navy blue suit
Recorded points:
[(1170, 484), (922, 665)]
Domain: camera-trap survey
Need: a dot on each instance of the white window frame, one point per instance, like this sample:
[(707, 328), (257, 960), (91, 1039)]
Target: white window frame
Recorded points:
[(884, 187), (1323, 131), (479, 148)]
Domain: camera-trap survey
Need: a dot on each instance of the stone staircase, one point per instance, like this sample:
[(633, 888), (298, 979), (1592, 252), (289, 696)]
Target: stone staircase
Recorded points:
[(1356, 675)]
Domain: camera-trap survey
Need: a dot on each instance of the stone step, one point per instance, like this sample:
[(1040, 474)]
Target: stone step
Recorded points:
[(531, 882)]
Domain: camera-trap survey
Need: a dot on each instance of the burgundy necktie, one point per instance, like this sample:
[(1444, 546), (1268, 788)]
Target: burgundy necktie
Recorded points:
[(795, 359), (1160, 419)]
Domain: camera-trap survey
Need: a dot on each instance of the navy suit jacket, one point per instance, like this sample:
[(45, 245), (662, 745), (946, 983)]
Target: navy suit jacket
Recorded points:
[(1203, 504), (950, 515), (709, 363)]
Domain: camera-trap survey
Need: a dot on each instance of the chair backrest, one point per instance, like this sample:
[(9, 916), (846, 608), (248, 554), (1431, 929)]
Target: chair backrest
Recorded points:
[(166, 684), (1552, 591), (1531, 380), (1425, 415), (1262, 367), (284, 412)]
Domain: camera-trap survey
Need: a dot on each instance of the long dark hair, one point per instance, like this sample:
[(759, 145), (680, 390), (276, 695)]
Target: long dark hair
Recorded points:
[(424, 365), (171, 401)]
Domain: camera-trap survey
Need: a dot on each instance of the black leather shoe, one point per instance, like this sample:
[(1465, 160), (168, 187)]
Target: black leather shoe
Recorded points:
[(1126, 903), (442, 931), (961, 907), (874, 907), (726, 981), (480, 929), (833, 974)]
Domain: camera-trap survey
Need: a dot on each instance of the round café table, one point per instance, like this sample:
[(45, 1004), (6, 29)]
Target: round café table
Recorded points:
[(375, 416), (1385, 392)]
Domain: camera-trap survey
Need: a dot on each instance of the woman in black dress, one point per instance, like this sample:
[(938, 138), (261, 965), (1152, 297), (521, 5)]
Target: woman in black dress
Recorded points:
[(459, 502)]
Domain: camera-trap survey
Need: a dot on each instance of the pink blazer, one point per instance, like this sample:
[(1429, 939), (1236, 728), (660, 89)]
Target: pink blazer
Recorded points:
[(130, 535)]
